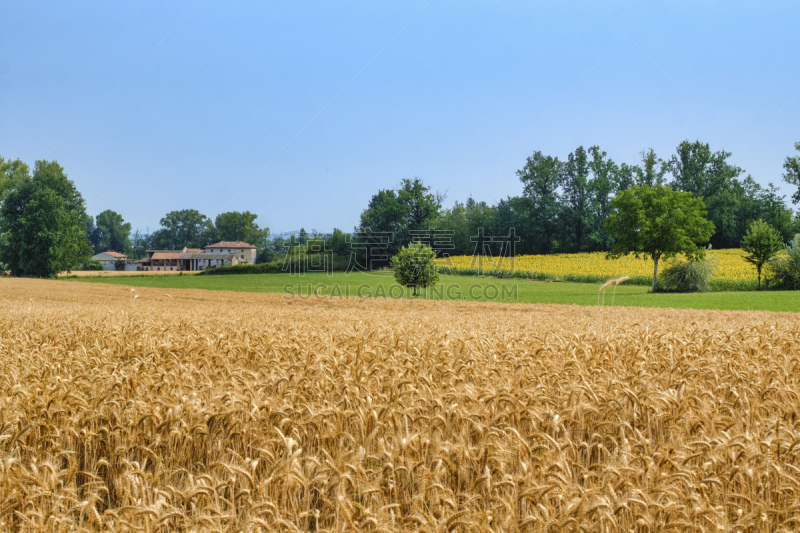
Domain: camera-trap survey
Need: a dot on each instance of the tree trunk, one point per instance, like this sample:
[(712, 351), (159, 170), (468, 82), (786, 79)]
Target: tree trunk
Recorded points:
[(759, 278), (655, 272)]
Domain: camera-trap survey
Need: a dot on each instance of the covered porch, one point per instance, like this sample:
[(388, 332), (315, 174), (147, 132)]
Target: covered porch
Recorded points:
[(204, 261)]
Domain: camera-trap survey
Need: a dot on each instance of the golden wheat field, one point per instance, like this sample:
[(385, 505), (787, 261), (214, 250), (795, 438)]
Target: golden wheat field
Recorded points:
[(153, 410)]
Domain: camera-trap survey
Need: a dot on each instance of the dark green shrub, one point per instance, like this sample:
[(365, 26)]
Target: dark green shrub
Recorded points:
[(784, 270), (686, 276), (119, 264), (293, 263), (92, 265)]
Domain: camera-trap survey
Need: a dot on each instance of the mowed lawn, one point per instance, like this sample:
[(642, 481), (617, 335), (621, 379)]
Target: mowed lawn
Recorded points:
[(381, 284)]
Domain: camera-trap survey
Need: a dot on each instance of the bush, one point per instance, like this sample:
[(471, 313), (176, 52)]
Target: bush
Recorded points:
[(119, 264), (414, 266), (265, 255), (91, 265), (293, 263), (784, 270), (686, 276)]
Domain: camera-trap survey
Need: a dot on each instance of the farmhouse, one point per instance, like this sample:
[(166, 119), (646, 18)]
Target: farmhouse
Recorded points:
[(246, 253), (193, 259), (109, 258)]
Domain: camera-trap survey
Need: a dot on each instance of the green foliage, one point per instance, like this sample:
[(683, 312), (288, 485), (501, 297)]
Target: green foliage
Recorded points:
[(576, 196), (785, 269), (91, 264), (457, 227), (792, 175), (265, 254), (657, 222), (565, 203), (184, 228), (93, 235), (295, 263), (139, 244), (756, 202), (119, 265), (686, 276), (413, 266), (710, 178), (12, 175), (338, 243), (761, 243), (237, 226), (43, 223), (113, 233), (541, 179), (653, 169), (397, 215)]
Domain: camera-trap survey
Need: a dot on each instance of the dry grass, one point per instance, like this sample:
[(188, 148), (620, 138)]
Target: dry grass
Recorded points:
[(243, 412), (115, 273)]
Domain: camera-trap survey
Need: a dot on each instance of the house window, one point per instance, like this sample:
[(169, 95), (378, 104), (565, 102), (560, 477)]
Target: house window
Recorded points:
[(242, 256)]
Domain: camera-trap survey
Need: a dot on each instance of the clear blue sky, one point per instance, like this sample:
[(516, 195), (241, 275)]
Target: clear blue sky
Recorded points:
[(300, 111)]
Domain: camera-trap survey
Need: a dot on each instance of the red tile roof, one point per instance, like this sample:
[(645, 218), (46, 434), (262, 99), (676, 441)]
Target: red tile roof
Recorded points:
[(166, 255), (229, 244), (193, 251), (116, 254)]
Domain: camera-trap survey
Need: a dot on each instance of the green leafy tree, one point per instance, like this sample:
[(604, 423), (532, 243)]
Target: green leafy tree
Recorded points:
[(657, 222), (397, 216), (184, 228), (762, 243), (764, 203), (12, 174), (114, 233), (541, 179), (139, 243), (458, 226), (601, 189), (576, 197), (514, 214), (93, 234), (237, 226), (792, 175), (652, 170), (43, 223), (413, 266), (711, 178), (338, 243), (119, 264), (785, 269), (454, 222)]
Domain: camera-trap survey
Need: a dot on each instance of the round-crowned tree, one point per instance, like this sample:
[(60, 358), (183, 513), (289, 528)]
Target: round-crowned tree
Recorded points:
[(657, 222), (414, 266), (761, 243)]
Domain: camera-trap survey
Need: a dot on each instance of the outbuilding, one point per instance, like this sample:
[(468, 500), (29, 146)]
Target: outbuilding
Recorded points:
[(109, 258)]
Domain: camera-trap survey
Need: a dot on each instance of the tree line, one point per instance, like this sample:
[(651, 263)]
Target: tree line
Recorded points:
[(564, 203), (44, 227), (563, 208)]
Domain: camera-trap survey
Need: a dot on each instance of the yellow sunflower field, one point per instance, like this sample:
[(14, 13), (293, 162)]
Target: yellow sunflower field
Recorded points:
[(729, 267)]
